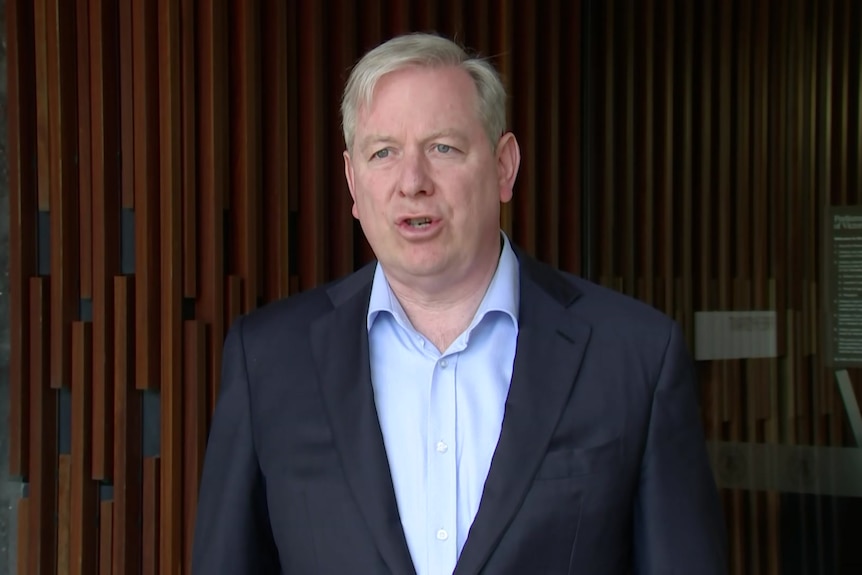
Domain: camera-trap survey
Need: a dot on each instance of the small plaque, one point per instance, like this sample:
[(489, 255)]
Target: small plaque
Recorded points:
[(734, 334), (842, 287)]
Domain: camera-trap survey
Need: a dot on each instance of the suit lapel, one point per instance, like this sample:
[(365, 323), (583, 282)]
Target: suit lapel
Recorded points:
[(339, 342), (550, 349)]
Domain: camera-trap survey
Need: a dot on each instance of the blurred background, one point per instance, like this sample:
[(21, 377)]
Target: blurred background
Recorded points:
[(175, 163)]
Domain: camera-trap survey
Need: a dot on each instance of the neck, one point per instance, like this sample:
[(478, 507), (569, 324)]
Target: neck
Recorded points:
[(442, 314)]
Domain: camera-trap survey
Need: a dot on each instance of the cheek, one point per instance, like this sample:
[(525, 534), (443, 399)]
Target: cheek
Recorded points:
[(367, 207)]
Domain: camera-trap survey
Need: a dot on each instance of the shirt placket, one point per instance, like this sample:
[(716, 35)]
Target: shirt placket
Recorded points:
[(442, 470)]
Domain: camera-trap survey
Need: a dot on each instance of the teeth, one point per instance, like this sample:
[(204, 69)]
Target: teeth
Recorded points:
[(418, 222)]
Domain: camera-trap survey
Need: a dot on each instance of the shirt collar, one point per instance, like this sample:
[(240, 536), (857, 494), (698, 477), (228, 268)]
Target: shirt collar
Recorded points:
[(503, 294)]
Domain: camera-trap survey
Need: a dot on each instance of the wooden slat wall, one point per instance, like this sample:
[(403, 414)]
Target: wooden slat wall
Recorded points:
[(746, 123), (175, 164), (178, 163)]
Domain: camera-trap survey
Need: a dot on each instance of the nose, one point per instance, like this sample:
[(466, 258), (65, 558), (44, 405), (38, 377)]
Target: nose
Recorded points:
[(415, 177)]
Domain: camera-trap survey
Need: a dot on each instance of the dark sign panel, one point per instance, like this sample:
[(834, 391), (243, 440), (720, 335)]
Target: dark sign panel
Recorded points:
[(842, 286)]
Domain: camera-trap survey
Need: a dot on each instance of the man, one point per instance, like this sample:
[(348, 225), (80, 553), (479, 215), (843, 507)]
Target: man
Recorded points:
[(457, 406)]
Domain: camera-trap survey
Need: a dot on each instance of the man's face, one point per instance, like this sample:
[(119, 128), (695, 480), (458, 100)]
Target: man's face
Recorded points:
[(425, 181)]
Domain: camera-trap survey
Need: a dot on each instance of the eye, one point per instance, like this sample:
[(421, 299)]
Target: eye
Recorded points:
[(443, 148), (380, 154)]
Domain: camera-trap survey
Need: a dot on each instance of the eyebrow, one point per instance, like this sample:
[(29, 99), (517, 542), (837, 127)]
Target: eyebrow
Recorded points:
[(453, 133), (374, 140)]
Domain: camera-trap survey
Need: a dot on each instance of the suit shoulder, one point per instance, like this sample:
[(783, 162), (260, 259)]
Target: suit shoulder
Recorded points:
[(604, 306), (298, 311)]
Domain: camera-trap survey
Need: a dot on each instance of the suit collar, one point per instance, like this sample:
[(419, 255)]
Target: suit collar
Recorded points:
[(551, 346), (339, 342), (550, 342)]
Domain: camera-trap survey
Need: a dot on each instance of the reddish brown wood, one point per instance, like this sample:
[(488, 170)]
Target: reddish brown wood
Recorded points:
[(479, 19), (855, 167), (42, 531), (550, 122), (147, 231), (64, 514), (233, 295), (722, 129), (766, 382), (687, 276), (743, 145), (106, 516), (723, 150), (84, 160), (63, 150), (21, 116), (170, 514), (127, 109), (398, 18), (43, 128), (825, 112), (370, 22), (818, 146), (704, 178), (425, 15), (275, 91), (128, 506), (189, 103), (311, 123), (245, 151), (150, 519), (840, 101), (525, 125), (796, 160), (369, 33), (667, 226), (779, 158), (83, 532), (212, 138), (105, 116), (453, 16), (621, 154), (194, 426), (569, 168), (606, 125), (341, 226)]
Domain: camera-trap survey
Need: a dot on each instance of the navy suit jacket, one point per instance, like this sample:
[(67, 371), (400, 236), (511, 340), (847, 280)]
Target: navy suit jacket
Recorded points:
[(601, 466)]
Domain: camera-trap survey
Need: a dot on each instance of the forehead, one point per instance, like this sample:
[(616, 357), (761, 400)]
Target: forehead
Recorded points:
[(417, 93)]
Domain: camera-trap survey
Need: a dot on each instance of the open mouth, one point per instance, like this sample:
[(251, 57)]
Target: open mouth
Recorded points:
[(418, 223)]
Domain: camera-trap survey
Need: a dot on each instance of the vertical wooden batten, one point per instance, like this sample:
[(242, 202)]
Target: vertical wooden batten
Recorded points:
[(212, 181), (62, 109), (145, 68), (83, 490), (127, 448), (44, 465), (170, 530), (105, 143), (175, 165), (23, 242)]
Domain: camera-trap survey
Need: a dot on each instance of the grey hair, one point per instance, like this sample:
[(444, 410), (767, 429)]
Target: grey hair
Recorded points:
[(423, 50)]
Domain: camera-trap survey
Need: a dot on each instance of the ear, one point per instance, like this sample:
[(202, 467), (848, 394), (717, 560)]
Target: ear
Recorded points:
[(508, 162), (348, 174)]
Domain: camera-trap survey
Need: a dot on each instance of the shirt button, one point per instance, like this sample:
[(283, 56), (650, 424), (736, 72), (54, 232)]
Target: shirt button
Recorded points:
[(444, 364), (442, 447), (442, 535)]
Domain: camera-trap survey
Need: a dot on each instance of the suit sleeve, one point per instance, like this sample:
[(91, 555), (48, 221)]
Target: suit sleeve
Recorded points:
[(678, 521), (232, 530)]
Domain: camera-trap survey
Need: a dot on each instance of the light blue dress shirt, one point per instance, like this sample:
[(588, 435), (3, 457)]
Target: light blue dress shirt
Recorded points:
[(441, 414)]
